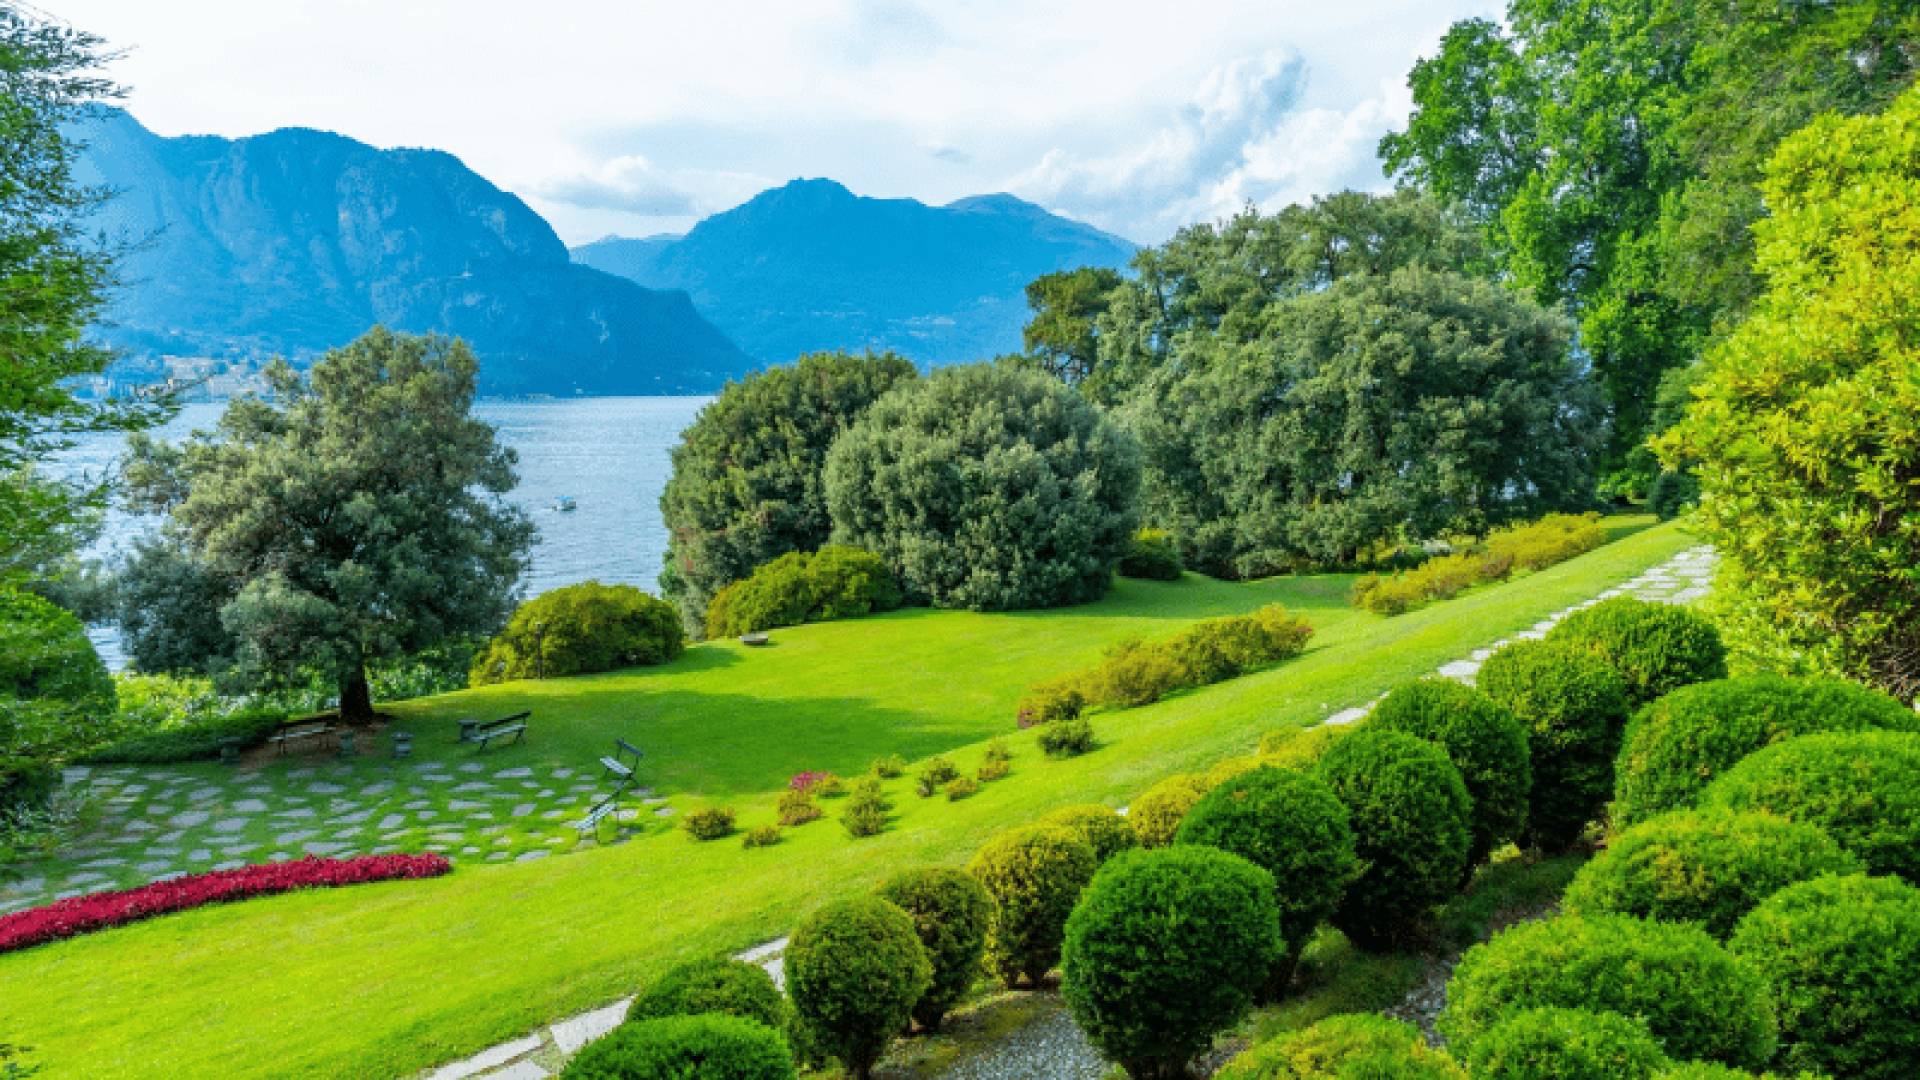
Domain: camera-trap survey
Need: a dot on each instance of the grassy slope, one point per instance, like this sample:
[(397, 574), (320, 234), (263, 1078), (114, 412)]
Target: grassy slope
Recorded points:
[(381, 980)]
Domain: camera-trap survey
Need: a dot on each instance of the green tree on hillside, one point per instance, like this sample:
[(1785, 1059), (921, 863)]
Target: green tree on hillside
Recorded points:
[(1062, 335), (358, 515), (746, 485)]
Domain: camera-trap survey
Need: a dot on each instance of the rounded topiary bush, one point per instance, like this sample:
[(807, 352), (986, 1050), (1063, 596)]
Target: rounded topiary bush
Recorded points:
[(578, 630), (1293, 826), (1705, 867), (855, 970), (1300, 748), (1656, 648), (1156, 815), (1695, 997), (1354, 1046), (1409, 811), (1843, 956), (1863, 788), (1165, 949), (951, 913), (1102, 827), (1565, 1044), (1675, 746), (987, 486), (717, 985), (1574, 706), (1483, 739), (711, 1046), (1034, 875), (801, 587)]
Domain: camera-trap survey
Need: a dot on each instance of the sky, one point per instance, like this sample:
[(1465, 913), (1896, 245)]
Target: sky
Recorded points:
[(633, 118)]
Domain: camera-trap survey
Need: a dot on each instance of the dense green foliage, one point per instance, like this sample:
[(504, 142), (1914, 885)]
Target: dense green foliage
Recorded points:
[(1034, 875), (706, 1047), (802, 587), (1703, 867), (1483, 739), (1863, 788), (1156, 815), (1535, 545), (1411, 819), (855, 970), (1695, 997), (55, 696), (1291, 825), (1152, 555), (1841, 953), (1165, 949), (718, 985), (987, 487), (1804, 436), (1104, 829), (951, 913), (579, 630), (198, 740), (1656, 648), (1565, 1044), (358, 515), (747, 476), (1677, 745), (1062, 337), (1575, 706), (1355, 1046)]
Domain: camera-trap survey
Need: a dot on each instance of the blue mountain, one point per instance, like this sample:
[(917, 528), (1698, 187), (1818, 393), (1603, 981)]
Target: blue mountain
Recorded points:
[(810, 266), (296, 241)]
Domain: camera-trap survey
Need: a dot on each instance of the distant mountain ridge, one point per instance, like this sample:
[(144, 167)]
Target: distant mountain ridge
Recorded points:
[(296, 241), (810, 266)]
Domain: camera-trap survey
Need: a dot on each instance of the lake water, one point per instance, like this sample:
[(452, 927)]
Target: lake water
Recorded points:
[(610, 455)]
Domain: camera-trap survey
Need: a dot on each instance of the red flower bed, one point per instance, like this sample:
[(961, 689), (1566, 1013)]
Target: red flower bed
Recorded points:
[(99, 911)]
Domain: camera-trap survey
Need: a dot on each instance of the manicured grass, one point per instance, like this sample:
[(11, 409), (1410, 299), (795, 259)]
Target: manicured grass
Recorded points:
[(392, 978)]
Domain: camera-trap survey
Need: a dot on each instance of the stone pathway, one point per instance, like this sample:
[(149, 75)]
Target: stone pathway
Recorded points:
[(1052, 1046)]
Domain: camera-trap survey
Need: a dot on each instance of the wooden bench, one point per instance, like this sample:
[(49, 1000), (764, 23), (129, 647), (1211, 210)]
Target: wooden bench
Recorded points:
[(512, 727), (620, 765), (299, 733)]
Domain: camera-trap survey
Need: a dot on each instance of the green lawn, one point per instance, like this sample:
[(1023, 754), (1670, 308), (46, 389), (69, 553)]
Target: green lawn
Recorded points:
[(384, 980)]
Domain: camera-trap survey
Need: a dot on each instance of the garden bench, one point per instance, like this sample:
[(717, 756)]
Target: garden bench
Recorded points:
[(507, 727), (620, 765), (300, 733)]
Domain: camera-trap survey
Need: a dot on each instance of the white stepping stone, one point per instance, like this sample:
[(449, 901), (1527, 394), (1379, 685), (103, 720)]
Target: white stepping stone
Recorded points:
[(249, 806), (576, 1032), (392, 821), (520, 773), (1461, 669), (491, 1058), (529, 856), (230, 825)]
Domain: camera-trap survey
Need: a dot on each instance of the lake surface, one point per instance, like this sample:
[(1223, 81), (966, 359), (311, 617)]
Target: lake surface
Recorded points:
[(612, 456)]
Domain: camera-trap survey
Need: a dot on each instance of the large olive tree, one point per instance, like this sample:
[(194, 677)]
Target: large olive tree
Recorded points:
[(355, 515)]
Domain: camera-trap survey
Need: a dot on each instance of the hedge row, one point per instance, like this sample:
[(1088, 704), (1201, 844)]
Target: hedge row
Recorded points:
[(1533, 546)]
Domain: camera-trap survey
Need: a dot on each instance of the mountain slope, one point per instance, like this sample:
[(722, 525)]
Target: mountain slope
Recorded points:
[(296, 241), (813, 266)]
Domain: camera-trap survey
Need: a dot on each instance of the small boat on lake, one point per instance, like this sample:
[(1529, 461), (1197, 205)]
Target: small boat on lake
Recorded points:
[(565, 504)]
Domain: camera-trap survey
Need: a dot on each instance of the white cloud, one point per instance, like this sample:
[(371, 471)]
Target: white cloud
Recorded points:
[(630, 183)]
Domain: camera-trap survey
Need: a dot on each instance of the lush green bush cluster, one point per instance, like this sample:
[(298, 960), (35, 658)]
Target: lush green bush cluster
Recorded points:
[(717, 985), (987, 487), (1353, 1046), (1137, 672), (1166, 948), (1068, 738), (802, 587), (1104, 829), (1410, 814), (1675, 746), (1034, 875), (1156, 815), (677, 1047), (56, 699), (710, 823), (951, 912), (1536, 545), (578, 630), (865, 813), (1704, 867), (1656, 648), (856, 969), (1483, 739), (196, 741), (1862, 788), (1574, 706), (1152, 554), (1566, 1044)]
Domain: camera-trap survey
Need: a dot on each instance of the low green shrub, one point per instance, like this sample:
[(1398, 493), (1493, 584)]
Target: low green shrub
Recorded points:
[(938, 770), (1704, 867), (715, 985), (1713, 1070), (578, 630), (1483, 739), (1410, 814), (760, 836), (1353, 1046), (856, 969), (1138, 672), (196, 741), (1134, 672), (1565, 1044), (992, 769), (1034, 874), (1551, 540), (1695, 997), (951, 912), (1104, 829), (1533, 546), (1299, 748), (1164, 950), (1291, 825), (962, 788), (865, 814), (1675, 746), (711, 823), (709, 1046), (802, 587), (889, 767), (1862, 788), (1051, 702), (1156, 815), (1574, 706), (1656, 648), (1151, 554), (1068, 738), (796, 808), (1843, 956), (997, 750)]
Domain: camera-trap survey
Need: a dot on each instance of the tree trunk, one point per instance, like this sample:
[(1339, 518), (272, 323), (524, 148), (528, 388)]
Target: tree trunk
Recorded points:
[(356, 698)]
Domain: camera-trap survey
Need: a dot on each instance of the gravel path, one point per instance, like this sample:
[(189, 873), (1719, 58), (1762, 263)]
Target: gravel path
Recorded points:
[(1050, 1048)]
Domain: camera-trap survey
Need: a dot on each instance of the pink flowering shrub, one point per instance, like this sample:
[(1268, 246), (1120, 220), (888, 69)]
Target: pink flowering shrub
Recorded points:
[(103, 910)]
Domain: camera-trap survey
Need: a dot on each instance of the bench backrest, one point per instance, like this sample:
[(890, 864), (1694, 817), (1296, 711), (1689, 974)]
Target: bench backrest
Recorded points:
[(312, 727), (505, 720), (623, 748)]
